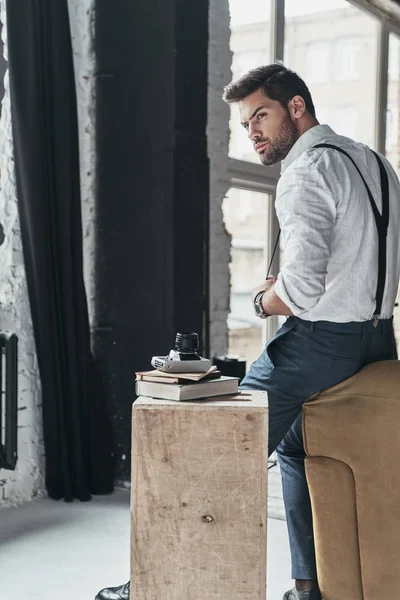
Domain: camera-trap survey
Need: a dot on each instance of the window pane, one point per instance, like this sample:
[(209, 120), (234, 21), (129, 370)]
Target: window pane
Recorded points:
[(344, 120), (347, 59), (250, 45), (392, 133), (392, 115), (246, 219), (333, 45), (317, 62), (394, 45)]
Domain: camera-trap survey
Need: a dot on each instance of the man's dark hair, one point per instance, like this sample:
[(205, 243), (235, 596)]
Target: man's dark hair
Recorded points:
[(276, 81)]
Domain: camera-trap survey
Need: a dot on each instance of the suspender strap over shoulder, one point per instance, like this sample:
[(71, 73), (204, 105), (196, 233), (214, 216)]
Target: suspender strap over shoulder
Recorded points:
[(381, 220)]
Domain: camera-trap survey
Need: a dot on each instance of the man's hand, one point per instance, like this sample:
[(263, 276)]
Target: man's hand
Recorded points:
[(264, 287), (271, 302)]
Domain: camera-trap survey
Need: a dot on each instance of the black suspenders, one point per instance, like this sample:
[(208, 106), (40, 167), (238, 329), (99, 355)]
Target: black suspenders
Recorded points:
[(381, 220)]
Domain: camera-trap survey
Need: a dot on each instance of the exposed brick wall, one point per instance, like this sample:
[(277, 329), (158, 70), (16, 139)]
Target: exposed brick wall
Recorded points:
[(27, 481), (82, 33), (219, 61)]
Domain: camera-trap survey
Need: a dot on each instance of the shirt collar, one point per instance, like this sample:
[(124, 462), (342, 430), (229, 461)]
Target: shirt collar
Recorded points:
[(312, 136)]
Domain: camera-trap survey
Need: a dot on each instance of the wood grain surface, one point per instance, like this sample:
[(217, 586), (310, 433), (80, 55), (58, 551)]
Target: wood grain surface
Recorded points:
[(199, 499)]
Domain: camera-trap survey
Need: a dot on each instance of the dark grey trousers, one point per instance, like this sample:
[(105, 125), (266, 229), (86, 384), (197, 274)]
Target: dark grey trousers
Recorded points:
[(304, 358)]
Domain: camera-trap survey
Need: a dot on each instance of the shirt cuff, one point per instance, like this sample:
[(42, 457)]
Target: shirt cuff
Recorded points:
[(282, 293)]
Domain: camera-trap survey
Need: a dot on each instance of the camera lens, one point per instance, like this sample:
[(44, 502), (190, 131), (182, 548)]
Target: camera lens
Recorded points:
[(187, 342)]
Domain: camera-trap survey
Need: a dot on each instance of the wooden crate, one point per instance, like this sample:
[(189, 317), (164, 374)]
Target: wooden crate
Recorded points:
[(199, 499)]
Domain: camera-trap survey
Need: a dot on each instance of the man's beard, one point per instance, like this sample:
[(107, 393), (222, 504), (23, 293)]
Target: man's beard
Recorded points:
[(279, 147)]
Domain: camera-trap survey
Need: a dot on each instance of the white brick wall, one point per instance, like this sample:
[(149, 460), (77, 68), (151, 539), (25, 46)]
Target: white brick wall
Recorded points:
[(219, 63), (82, 32), (27, 481)]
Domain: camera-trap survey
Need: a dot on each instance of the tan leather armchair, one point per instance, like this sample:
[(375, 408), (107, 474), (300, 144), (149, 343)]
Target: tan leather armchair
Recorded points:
[(352, 441)]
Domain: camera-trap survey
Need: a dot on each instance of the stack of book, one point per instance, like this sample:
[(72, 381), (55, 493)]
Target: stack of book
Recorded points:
[(185, 386)]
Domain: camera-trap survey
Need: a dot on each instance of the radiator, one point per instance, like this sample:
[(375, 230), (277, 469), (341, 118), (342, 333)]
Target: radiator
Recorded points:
[(8, 399)]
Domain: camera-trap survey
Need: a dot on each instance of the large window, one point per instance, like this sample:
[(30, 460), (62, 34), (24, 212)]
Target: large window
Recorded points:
[(250, 46), (246, 216), (248, 208)]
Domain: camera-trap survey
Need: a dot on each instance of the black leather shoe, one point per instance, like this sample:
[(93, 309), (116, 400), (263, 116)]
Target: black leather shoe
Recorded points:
[(115, 593), (313, 594)]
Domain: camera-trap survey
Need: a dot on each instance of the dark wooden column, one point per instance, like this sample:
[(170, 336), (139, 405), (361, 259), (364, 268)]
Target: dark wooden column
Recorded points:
[(152, 190)]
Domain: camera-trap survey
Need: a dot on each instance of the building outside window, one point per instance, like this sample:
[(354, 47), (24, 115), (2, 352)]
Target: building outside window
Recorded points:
[(345, 121), (347, 59), (317, 61), (250, 46), (393, 61), (323, 115), (393, 103), (246, 219), (392, 131)]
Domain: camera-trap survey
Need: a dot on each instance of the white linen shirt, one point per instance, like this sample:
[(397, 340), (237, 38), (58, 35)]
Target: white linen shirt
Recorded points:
[(329, 235)]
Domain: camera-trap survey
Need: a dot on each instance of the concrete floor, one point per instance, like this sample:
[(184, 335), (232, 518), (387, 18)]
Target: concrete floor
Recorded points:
[(55, 551)]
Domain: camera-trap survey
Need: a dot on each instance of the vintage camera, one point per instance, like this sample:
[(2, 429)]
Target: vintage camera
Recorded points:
[(184, 358)]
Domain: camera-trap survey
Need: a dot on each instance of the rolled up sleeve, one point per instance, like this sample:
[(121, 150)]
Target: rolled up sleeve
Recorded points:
[(306, 211)]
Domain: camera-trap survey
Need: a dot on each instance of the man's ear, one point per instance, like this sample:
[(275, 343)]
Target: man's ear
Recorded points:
[(297, 107)]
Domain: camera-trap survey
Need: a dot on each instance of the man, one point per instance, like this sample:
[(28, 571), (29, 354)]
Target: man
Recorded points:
[(328, 286), (329, 204)]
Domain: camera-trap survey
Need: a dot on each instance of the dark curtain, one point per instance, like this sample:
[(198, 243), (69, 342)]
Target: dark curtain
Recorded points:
[(44, 116)]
